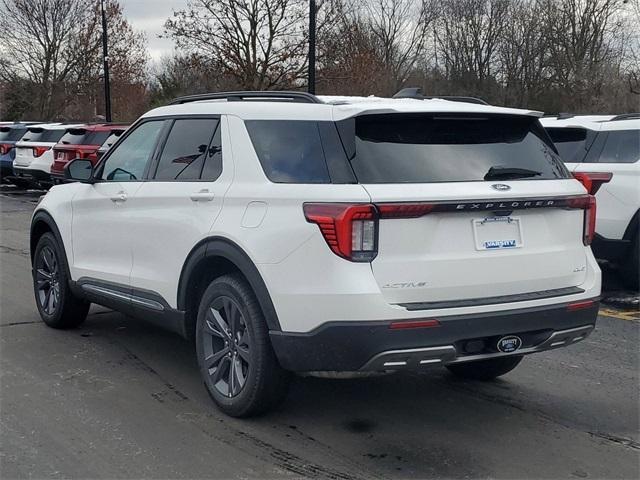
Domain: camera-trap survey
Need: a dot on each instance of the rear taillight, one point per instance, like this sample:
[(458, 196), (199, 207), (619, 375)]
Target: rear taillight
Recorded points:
[(38, 151), (588, 204), (592, 181), (5, 148), (350, 230), (87, 155)]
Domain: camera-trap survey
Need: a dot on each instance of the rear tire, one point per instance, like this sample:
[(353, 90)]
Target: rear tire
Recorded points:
[(237, 362), (630, 270), (485, 369), (57, 305)]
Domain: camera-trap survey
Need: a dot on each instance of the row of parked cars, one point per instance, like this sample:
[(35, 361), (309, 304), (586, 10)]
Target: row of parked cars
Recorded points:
[(35, 154)]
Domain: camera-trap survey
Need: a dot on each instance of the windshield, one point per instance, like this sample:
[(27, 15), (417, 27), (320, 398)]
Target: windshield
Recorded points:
[(42, 135), (8, 134), (419, 148), (80, 136)]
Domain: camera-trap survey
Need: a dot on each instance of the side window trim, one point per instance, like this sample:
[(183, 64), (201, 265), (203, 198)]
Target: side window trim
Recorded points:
[(154, 164), (99, 168)]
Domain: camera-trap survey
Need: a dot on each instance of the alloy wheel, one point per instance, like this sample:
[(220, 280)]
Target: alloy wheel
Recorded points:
[(48, 281), (227, 346)]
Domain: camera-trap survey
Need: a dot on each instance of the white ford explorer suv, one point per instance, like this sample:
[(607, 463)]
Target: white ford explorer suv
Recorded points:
[(607, 146), (287, 232)]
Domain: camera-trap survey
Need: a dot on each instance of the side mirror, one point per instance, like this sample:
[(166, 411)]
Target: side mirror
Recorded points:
[(79, 170)]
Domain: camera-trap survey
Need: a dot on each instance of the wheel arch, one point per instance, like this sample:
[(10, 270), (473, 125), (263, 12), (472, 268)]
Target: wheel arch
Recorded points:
[(210, 259), (633, 227), (41, 223)]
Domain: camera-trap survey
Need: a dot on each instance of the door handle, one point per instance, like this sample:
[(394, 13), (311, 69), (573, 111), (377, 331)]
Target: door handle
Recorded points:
[(203, 195), (119, 197)]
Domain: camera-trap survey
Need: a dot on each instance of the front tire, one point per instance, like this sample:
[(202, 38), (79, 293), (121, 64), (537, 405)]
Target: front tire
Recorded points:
[(485, 369), (57, 305), (237, 362)]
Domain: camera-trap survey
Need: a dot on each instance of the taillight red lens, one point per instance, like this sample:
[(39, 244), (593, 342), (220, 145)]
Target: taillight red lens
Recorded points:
[(351, 231), (408, 324), (588, 204), (38, 151), (592, 181), (5, 148), (404, 210)]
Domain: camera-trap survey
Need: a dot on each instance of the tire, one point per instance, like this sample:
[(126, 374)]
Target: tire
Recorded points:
[(630, 270), (57, 305), (238, 365), (485, 369)]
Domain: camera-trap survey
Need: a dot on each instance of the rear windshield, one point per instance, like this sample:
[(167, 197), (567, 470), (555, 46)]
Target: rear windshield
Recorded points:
[(405, 148), (42, 135), (11, 134), (80, 136), (572, 143), (409, 148), (112, 138)]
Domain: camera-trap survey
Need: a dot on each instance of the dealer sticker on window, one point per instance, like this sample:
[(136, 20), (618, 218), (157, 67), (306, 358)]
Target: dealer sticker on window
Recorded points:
[(497, 233)]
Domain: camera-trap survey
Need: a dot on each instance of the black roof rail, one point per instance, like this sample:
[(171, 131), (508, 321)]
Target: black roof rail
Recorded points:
[(266, 96), (416, 92), (625, 116)]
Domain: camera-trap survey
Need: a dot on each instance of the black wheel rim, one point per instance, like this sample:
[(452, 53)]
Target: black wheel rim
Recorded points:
[(227, 347), (47, 281)]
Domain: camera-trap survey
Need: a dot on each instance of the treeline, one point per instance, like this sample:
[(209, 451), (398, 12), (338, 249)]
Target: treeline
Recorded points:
[(552, 55)]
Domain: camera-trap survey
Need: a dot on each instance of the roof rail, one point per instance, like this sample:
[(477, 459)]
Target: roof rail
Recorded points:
[(416, 92), (265, 96), (625, 116)]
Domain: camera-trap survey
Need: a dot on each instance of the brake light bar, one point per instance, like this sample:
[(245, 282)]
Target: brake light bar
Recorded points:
[(39, 151), (408, 324), (592, 181)]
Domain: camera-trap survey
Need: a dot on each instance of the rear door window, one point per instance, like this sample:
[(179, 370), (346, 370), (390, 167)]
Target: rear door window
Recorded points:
[(290, 151), (186, 149), (621, 146), (419, 148)]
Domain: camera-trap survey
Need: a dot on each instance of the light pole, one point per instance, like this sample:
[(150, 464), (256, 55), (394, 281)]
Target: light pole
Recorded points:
[(312, 46), (105, 58)]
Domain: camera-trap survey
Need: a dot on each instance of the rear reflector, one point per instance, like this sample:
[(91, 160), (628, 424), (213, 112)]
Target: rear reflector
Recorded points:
[(403, 325), (572, 307), (592, 181)]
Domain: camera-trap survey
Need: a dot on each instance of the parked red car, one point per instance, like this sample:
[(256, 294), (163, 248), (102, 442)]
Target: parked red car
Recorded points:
[(83, 142)]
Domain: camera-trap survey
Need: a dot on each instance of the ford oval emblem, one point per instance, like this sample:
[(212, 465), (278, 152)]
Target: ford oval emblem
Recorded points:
[(509, 344), (501, 187)]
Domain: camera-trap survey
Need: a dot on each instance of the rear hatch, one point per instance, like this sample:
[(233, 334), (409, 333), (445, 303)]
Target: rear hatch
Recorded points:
[(36, 142), (473, 207)]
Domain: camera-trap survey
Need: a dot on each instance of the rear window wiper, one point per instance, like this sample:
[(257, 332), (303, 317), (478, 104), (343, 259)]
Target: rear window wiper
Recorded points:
[(504, 173)]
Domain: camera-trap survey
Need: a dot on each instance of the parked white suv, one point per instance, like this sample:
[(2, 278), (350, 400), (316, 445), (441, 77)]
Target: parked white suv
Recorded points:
[(288, 232), (601, 145)]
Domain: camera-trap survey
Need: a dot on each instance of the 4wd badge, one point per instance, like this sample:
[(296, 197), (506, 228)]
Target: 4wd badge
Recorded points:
[(509, 344)]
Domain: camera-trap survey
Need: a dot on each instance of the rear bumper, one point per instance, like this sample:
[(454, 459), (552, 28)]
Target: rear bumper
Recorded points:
[(368, 346), (31, 174)]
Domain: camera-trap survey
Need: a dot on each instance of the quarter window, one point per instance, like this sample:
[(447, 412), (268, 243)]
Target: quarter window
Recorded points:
[(186, 149), (128, 161), (622, 146)]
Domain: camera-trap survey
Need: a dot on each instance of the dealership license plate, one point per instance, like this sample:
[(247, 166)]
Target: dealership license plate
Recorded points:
[(497, 233)]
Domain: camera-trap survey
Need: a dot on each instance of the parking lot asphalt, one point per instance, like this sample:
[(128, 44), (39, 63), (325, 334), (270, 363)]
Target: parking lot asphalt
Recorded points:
[(118, 398)]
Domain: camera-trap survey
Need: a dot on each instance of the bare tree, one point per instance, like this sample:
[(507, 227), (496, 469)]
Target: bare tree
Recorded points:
[(261, 43), (54, 45)]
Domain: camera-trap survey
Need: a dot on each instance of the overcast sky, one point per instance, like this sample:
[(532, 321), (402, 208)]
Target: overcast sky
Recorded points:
[(149, 16)]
